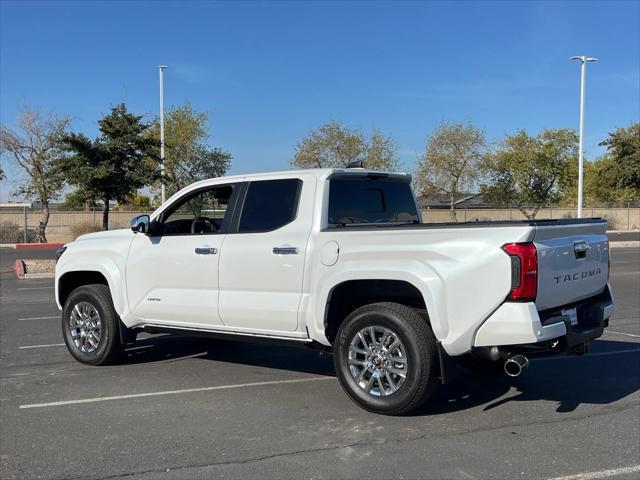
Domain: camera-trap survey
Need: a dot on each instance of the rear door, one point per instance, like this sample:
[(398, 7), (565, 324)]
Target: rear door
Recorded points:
[(573, 262), (262, 262)]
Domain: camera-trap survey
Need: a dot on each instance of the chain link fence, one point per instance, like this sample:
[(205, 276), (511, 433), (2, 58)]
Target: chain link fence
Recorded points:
[(63, 226)]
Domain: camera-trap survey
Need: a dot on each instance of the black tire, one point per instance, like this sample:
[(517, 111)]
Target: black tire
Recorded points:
[(481, 366), (108, 347), (419, 343)]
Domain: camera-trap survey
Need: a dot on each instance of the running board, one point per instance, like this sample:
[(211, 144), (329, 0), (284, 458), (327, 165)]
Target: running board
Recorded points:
[(224, 335)]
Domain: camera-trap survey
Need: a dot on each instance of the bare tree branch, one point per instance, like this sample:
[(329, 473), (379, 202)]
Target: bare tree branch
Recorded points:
[(34, 147), (451, 162)]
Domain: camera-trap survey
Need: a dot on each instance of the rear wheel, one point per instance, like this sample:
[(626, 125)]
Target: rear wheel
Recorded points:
[(90, 325), (386, 358)]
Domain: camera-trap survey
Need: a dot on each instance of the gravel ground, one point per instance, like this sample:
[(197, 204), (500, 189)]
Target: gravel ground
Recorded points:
[(39, 266)]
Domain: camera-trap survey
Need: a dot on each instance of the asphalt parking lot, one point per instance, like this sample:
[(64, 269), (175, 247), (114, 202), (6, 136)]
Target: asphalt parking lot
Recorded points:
[(182, 407)]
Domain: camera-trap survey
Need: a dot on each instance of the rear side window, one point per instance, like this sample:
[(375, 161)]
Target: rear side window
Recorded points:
[(367, 200), (269, 204)]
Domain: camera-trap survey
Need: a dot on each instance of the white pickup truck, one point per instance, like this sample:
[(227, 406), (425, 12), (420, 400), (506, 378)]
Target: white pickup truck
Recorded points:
[(339, 260)]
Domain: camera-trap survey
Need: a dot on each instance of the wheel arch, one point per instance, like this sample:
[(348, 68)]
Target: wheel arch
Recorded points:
[(69, 280), (348, 295)]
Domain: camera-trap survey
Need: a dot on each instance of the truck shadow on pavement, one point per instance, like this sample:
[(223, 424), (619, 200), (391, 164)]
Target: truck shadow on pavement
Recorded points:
[(612, 373), (174, 348), (609, 374)]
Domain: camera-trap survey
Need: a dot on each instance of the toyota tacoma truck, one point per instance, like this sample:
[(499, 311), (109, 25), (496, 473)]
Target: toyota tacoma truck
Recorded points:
[(340, 260)]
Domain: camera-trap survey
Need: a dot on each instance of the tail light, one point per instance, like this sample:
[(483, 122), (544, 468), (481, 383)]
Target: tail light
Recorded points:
[(524, 271)]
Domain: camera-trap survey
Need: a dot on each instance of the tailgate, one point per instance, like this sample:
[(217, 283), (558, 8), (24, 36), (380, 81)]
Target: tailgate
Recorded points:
[(573, 262)]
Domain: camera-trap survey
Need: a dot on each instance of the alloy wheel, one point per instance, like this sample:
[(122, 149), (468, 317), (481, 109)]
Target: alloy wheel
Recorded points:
[(378, 361)]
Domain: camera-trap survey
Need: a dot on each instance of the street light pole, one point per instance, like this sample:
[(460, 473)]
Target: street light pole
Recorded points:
[(160, 71), (583, 78)]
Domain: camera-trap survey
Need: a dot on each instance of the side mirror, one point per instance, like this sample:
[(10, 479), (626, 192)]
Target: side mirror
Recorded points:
[(140, 224)]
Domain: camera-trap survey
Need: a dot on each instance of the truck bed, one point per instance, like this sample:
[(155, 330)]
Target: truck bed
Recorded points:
[(471, 224)]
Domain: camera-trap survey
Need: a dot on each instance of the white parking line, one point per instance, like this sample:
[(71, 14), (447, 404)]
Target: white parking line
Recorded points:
[(622, 333), (173, 392), (42, 346), (614, 472), (36, 288), (37, 318)]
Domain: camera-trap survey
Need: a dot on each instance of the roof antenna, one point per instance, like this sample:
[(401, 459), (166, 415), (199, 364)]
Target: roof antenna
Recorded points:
[(356, 164)]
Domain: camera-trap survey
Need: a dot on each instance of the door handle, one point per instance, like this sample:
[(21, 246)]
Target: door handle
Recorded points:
[(285, 250), (206, 251)]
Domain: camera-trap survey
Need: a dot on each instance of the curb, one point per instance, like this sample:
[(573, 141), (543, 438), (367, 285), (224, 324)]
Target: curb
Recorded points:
[(39, 275), (21, 273), (38, 245), (31, 245), (19, 269)]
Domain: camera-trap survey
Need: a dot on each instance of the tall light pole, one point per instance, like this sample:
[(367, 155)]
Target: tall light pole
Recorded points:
[(584, 60), (160, 71)]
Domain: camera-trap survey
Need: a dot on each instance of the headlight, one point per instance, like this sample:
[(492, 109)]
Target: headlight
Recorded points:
[(59, 252)]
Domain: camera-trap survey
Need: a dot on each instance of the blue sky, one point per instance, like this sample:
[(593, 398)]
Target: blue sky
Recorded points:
[(270, 71)]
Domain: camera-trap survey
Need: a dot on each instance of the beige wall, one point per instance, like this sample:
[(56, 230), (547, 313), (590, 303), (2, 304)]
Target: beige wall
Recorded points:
[(60, 223), (618, 218)]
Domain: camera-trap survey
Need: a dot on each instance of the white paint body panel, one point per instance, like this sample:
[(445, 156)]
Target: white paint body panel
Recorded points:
[(462, 273), (169, 284), (105, 253), (437, 261), (516, 323), (564, 278)]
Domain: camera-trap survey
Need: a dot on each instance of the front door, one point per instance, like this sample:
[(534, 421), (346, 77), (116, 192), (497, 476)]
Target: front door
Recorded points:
[(172, 277)]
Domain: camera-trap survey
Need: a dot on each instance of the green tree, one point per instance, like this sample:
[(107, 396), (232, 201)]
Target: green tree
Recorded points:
[(452, 162), (618, 173), (529, 172), (35, 146), (599, 182), (381, 152), (78, 200), (113, 166), (334, 145), (614, 177), (188, 156), (136, 202)]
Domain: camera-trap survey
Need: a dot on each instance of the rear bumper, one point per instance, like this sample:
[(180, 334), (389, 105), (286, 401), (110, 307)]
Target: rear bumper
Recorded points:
[(521, 324)]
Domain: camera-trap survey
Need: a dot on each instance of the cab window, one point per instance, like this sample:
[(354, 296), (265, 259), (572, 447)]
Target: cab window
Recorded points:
[(199, 213), (364, 200), (269, 205)]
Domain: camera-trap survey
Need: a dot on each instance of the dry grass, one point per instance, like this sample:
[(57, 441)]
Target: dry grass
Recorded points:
[(84, 227)]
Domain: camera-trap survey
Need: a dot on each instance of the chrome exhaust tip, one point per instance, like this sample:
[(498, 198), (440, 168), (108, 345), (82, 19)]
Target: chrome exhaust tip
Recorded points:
[(515, 365)]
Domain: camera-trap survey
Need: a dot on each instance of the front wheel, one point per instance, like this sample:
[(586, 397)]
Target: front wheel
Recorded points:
[(385, 357), (90, 325)]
